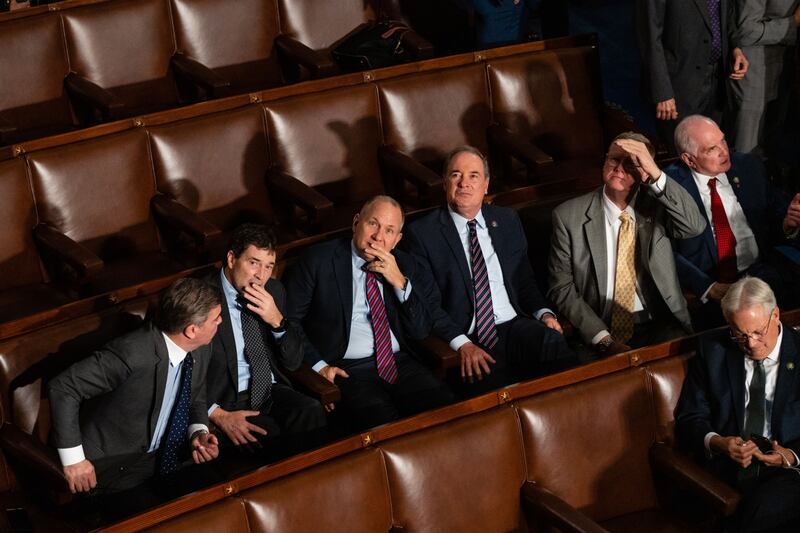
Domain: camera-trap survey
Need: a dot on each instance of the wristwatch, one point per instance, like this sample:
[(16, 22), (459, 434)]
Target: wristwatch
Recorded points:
[(281, 327), (603, 345)]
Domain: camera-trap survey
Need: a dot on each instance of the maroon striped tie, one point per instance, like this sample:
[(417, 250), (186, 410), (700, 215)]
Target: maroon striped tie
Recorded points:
[(485, 330), (387, 367)]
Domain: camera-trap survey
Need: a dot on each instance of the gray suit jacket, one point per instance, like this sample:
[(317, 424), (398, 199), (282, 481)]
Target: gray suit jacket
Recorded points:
[(579, 259), (110, 401)]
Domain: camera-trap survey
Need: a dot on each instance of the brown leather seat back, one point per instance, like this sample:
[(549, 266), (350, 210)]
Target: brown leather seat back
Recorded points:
[(427, 115), (233, 38), (329, 141), (19, 262), (462, 476), (125, 46), (347, 495), (320, 23), (666, 383), (552, 98), (226, 515), (216, 166), (589, 443), (33, 64), (98, 193)]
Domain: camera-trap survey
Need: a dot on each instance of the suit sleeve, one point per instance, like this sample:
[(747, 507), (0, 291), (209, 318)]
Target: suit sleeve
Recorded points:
[(199, 406), (683, 218), (693, 414), (97, 374), (530, 298), (692, 277), (300, 284), (290, 344), (563, 291), (650, 28), (413, 312), (753, 28)]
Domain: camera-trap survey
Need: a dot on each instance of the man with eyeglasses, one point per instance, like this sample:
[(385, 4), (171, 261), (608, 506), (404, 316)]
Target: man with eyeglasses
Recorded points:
[(746, 218), (612, 272), (739, 407)]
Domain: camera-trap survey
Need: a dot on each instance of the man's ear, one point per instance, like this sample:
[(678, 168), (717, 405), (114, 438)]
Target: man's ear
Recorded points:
[(230, 259), (355, 222), (190, 331), (688, 160)]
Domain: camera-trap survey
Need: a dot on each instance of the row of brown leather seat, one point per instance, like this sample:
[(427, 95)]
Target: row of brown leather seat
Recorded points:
[(320, 155), (100, 61)]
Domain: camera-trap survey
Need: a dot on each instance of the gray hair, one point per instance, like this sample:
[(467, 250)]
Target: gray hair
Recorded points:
[(469, 150), (187, 301), (382, 198), (684, 141), (746, 293)]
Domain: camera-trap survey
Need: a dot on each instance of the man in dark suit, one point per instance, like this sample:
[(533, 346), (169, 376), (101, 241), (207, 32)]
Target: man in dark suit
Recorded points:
[(127, 412), (746, 218), (250, 398), (745, 382), (485, 302), (359, 302), (687, 51)]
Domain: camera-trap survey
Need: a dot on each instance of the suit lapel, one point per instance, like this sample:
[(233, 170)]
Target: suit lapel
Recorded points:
[(735, 365), (686, 180), (702, 7), (162, 366), (595, 234), (644, 233), (787, 376), (225, 333), (343, 271), (450, 235)]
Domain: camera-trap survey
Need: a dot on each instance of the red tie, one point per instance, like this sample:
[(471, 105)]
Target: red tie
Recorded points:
[(726, 242), (387, 366)]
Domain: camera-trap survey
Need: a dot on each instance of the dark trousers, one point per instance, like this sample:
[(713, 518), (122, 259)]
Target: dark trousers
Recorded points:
[(770, 502), (655, 332), (369, 401), (525, 348)]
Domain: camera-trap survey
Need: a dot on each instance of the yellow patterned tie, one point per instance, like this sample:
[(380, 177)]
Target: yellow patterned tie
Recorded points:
[(624, 281)]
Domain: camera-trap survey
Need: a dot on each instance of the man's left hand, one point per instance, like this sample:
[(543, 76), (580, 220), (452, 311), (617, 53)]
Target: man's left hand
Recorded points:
[(779, 459), (792, 220), (385, 264), (205, 447), (640, 156), (551, 322), (740, 64), (262, 303)]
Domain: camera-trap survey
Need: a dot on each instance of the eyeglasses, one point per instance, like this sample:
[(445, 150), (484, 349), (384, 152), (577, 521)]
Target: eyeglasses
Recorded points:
[(757, 336), (627, 164)]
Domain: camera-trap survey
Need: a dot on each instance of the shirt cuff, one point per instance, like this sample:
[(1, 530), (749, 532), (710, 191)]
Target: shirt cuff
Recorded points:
[(212, 408), (278, 334), (458, 342), (319, 366), (404, 293), (600, 336), (543, 311), (194, 428), (707, 441), (70, 456), (796, 459), (658, 185), (704, 297)]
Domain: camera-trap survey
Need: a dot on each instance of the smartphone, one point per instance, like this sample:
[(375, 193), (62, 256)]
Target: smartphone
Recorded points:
[(762, 442)]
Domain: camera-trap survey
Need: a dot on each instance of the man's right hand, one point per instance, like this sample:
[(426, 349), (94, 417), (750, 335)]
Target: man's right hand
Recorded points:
[(667, 110), (236, 426), (735, 448), (330, 372), (474, 362), (80, 476), (718, 290)]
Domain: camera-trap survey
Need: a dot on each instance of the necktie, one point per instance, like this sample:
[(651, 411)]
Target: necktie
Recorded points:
[(624, 281), (255, 352), (716, 31), (485, 328), (387, 366), (757, 406), (726, 242), (178, 421)]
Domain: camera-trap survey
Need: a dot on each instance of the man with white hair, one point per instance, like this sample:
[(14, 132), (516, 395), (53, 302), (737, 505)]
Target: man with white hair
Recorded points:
[(746, 217), (739, 407)]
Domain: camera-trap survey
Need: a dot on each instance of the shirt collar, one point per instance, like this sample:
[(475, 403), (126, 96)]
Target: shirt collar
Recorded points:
[(356, 260), (231, 294), (612, 212), (461, 221), (775, 354), (175, 352), (702, 180)]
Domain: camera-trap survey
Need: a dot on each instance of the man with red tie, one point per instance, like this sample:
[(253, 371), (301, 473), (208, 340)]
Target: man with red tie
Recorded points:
[(746, 218)]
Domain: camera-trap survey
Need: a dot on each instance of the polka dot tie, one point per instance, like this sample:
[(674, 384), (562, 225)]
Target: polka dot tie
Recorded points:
[(716, 31), (726, 241), (178, 421), (257, 356), (624, 281)]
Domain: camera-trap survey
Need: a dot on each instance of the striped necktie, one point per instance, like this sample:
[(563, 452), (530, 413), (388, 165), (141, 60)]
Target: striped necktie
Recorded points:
[(485, 328), (384, 358)]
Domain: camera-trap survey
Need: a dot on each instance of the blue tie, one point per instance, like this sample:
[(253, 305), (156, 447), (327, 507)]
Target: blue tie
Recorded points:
[(178, 421), (716, 31)]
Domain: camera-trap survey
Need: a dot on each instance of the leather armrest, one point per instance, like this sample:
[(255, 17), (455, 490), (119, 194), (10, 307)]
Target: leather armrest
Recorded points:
[(181, 217), (6, 126), (418, 45), (556, 511), (319, 64), (199, 74), (318, 207), (508, 144), (93, 95), (34, 455), (689, 476), (443, 356), (314, 384), (395, 163), (65, 249)]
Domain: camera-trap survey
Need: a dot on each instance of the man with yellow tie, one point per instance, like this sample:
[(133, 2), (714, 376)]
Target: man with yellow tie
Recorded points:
[(612, 272)]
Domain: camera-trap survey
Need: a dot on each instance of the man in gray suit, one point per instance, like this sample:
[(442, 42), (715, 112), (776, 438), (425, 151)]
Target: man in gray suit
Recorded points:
[(687, 51), (125, 413), (767, 32), (612, 273)]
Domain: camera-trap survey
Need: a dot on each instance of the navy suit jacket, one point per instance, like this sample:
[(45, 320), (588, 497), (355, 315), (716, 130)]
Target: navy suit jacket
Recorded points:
[(320, 299), (763, 207), (434, 238), (712, 398)]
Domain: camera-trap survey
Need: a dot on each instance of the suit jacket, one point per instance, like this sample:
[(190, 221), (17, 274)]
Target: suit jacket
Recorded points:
[(110, 401), (675, 43), (763, 207), (223, 373), (320, 299), (713, 392), (434, 238), (579, 259)]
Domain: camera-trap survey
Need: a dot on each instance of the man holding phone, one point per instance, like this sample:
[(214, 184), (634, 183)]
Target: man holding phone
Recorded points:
[(739, 407)]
